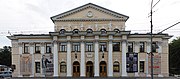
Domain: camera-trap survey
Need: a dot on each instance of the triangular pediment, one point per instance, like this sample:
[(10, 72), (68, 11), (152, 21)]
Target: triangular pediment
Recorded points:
[(90, 12)]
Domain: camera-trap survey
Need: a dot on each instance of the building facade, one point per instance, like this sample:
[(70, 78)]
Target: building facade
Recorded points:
[(89, 41)]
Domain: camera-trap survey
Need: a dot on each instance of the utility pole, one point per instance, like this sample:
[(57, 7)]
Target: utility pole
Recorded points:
[(151, 53)]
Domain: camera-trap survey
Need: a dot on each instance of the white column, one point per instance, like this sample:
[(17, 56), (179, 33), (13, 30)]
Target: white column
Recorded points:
[(110, 60), (19, 59), (147, 65), (124, 50), (42, 53), (96, 59), (82, 60), (32, 54), (55, 58), (69, 65), (137, 51)]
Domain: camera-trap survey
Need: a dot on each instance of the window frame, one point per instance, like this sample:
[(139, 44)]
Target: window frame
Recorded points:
[(130, 47), (89, 47), (26, 48), (141, 46), (116, 43), (104, 45), (116, 64), (63, 67), (76, 47), (37, 46), (63, 47), (141, 66), (37, 67), (48, 47)]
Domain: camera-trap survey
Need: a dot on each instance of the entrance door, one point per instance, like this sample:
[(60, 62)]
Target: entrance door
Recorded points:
[(103, 69), (76, 69), (89, 69)]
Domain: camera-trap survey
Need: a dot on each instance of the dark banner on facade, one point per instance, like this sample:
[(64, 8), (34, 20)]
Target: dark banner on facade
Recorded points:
[(26, 64), (156, 64), (47, 64)]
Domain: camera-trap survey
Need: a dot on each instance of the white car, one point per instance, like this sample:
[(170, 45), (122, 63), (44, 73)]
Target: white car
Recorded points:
[(5, 74)]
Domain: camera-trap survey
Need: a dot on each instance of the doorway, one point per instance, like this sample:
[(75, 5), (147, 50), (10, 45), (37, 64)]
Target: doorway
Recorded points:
[(103, 69), (76, 69), (89, 69)]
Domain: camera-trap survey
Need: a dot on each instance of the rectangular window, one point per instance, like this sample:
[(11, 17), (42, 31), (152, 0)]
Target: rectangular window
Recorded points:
[(89, 47), (37, 65), (48, 48), (132, 62), (154, 46), (26, 48), (102, 47), (141, 46), (37, 48), (116, 46), (130, 46), (63, 47), (141, 67), (76, 47)]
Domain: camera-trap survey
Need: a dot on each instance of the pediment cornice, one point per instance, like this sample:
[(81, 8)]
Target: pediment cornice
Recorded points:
[(93, 6)]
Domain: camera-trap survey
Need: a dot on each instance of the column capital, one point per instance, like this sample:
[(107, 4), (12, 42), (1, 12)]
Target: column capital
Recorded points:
[(20, 44), (124, 41), (54, 41)]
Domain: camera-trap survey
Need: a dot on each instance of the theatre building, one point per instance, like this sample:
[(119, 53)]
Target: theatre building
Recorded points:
[(89, 41)]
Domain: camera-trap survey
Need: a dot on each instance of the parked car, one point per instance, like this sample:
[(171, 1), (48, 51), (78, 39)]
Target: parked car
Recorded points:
[(5, 74)]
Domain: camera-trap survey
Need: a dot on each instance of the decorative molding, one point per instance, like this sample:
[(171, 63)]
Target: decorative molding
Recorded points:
[(31, 43), (42, 43)]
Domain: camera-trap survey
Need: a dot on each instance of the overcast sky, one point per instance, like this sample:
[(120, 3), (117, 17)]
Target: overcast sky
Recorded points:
[(33, 16)]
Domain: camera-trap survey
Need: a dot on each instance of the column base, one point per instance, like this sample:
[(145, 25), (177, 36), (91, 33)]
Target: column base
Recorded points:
[(96, 75), (137, 74), (159, 75), (148, 75), (55, 75), (69, 75), (20, 76), (82, 75), (124, 75), (32, 75)]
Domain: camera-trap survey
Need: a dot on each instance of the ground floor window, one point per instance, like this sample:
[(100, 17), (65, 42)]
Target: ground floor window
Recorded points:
[(132, 62), (116, 66), (141, 66), (63, 67), (37, 65)]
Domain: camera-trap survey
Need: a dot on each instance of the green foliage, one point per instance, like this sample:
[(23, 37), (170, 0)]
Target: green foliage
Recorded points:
[(174, 56), (5, 56)]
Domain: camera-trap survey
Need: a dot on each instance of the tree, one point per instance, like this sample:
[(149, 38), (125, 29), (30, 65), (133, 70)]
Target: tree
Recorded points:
[(174, 56), (5, 56)]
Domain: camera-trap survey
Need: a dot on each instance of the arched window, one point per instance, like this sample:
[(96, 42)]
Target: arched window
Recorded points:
[(63, 67), (75, 31), (117, 30), (103, 31), (89, 31), (62, 31), (116, 66)]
